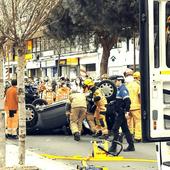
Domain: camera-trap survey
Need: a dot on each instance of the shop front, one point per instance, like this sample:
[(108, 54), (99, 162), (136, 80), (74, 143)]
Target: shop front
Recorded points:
[(49, 68), (33, 69), (90, 65)]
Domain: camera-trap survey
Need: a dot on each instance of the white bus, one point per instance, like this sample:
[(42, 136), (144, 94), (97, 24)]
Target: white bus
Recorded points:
[(155, 76)]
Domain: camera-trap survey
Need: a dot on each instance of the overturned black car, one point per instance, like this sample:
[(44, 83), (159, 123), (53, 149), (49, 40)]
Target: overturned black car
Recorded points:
[(43, 117)]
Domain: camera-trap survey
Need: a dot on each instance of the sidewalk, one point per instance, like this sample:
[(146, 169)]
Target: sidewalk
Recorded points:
[(32, 159)]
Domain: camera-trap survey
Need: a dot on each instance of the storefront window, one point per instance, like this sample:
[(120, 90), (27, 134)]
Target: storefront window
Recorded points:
[(34, 45), (38, 44)]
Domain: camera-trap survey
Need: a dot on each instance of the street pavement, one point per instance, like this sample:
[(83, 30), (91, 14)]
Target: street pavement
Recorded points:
[(144, 158), (33, 159)]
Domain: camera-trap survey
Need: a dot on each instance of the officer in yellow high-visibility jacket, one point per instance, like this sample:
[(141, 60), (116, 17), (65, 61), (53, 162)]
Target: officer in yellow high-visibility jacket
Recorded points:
[(100, 112), (134, 118)]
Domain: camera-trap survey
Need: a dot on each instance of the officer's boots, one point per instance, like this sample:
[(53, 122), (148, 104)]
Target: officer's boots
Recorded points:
[(113, 148), (130, 148)]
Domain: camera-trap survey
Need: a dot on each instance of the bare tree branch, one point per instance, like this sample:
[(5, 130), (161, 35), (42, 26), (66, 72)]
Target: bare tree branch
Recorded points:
[(19, 20)]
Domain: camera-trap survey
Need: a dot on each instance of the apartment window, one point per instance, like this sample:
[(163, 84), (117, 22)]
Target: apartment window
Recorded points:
[(90, 67), (34, 49), (38, 44)]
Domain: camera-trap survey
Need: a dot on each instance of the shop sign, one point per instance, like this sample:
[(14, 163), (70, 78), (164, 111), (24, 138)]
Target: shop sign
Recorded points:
[(33, 65), (62, 62), (72, 61), (27, 57), (51, 63), (48, 53), (29, 45)]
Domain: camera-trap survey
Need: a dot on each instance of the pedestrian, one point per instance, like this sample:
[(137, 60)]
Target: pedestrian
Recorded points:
[(134, 118), (48, 94), (11, 105), (41, 88), (122, 106), (100, 110), (77, 109)]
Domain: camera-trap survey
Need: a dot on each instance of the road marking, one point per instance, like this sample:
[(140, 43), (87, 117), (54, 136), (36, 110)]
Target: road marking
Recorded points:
[(90, 158)]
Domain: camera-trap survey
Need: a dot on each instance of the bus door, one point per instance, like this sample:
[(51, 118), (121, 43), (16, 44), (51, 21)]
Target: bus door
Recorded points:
[(155, 69)]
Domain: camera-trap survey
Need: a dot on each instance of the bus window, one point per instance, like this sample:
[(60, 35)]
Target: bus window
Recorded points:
[(168, 34), (156, 35)]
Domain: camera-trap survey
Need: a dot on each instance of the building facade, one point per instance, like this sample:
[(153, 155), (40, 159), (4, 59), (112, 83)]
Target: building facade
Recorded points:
[(49, 58)]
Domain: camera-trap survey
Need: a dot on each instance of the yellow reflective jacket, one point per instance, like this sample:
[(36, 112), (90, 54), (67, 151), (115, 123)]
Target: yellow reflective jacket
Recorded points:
[(62, 93), (101, 104), (77, 100), (134, 93)]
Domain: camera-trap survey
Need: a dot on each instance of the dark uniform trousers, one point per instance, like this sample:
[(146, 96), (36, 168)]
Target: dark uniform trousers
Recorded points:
[(121, 121)]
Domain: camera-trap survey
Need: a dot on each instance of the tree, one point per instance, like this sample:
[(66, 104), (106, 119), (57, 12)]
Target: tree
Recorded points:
[(2, 117), (19, 20), (106, 19)]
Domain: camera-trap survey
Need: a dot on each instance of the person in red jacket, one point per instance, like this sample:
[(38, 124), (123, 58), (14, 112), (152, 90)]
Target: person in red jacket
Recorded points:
[(11, 103)]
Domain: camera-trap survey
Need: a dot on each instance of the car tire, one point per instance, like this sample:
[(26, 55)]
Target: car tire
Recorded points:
[(109, 89), (31, 116), (39, 102)]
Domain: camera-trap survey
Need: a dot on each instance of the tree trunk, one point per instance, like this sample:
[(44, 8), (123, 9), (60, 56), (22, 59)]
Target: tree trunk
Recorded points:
[(58, 66), (2, 116), (21, 104), (107, 43), (104, 61)]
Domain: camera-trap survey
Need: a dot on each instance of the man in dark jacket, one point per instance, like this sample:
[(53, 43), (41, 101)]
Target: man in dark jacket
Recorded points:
[(122, 107)]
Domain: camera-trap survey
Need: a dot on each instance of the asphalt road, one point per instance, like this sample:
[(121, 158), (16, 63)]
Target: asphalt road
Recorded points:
[(144, 158)]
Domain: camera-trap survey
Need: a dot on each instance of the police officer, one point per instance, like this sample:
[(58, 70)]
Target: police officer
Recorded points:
[(121, 110), (100, 111)]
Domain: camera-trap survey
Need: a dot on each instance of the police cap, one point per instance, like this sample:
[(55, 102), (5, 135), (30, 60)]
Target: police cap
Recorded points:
[(119, 77)]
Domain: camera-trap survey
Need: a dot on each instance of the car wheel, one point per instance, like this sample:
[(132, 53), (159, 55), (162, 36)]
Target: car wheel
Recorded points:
[(39, 102), (31, 116), (109, 89)]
